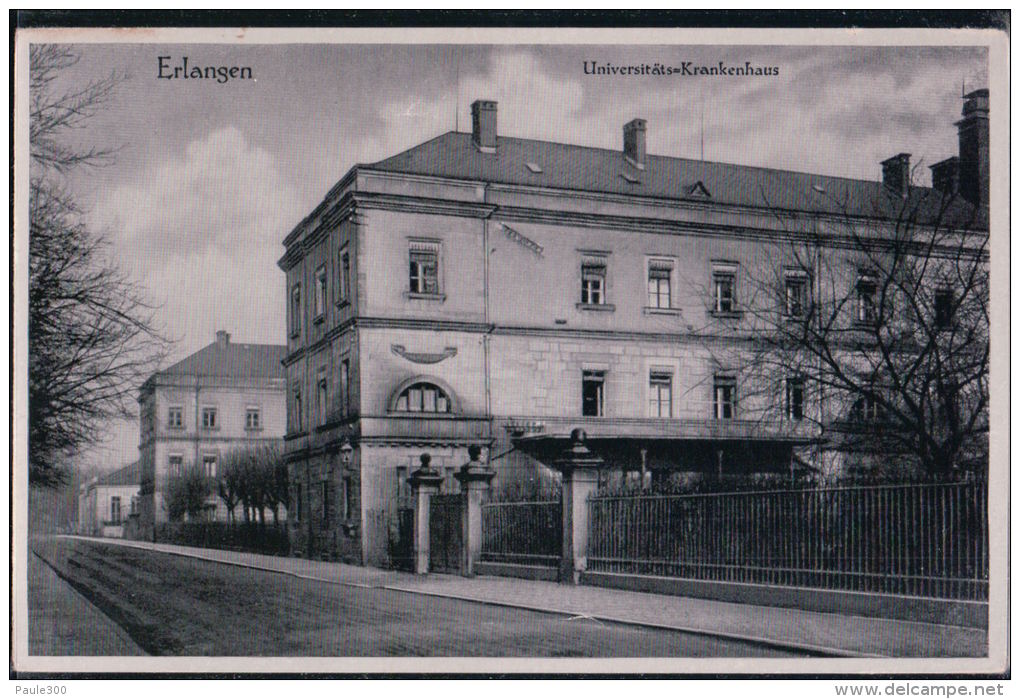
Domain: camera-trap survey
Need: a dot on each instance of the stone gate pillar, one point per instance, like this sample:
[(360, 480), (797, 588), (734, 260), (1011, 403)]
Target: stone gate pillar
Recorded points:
[(474, 477), (424, 483), (580, 469)]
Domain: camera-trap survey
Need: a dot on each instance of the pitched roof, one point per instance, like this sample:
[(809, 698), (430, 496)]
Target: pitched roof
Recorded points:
[(232, 360), (128, 475), (523, 161)]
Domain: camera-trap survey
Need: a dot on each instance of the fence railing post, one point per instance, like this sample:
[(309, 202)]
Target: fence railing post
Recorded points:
[(580, 469), (474, 478), (424, 482)]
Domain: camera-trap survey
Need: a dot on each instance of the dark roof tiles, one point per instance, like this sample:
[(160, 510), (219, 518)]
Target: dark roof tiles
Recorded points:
[(128, 475), (233, 361), (582, 168)]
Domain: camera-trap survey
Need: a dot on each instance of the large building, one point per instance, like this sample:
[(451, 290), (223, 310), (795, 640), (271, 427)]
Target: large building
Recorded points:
[(225, 396), (479, 289), (109, 505)]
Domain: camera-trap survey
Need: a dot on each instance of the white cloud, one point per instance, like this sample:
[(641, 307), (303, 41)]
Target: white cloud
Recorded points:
[(203, 232)]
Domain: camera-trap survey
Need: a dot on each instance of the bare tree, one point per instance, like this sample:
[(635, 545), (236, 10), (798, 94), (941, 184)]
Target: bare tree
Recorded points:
[(256, 478), (92, 340), (876, 329)]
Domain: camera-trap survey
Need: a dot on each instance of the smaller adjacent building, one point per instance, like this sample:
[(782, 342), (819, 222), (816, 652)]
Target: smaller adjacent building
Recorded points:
[(108, 505), (224, 397)]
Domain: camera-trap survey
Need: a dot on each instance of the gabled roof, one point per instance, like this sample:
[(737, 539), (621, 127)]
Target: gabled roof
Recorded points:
[(128, 475), (582, 168), (231, 360)]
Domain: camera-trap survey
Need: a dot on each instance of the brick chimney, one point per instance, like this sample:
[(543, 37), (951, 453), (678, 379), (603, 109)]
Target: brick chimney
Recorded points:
[(945, 176), (634, 142), (222, 338), (483, 125), (973, 129), (896, 174)]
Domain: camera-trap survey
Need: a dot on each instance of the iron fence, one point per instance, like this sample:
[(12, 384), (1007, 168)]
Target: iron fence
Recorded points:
[(927, 540), (526, 531)]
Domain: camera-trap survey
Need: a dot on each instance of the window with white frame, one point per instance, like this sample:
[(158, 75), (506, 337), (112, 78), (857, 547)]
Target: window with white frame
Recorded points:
[(660, 274), (660, 393), (795, 302), (724, 288), (209, 418), (423, 397), (724, 397), (252, 418), (209, 465), (424, 268), (115, 509), (593, 393), (593, 282), (867, 311), (175, 465), (320, 292), (175, 417)]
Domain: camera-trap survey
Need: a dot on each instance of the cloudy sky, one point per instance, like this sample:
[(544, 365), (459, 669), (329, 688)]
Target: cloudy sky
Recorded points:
[(210, 177)]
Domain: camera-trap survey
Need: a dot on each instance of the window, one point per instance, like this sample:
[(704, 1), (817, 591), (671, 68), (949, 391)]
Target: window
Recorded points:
[(593, 283), (322, 395), (343, 281), (345, 385), (298, 492), (325, 504), (424, 271), (209, 465), (593, 393), (943, 308), (724, 286), (298, 415), (660, 385), (295, 310), (133, 507), (866, 408), (209, 419), (659, 273), (866, 311), (724, 397), (795, 398), (115, 509), (796, 297), (175, 465), (252, 419), (175, 417), (423, 398), (348, 499), (320, 292)]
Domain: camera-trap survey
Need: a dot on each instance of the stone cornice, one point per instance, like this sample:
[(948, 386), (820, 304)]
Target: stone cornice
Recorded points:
[(423, 205)]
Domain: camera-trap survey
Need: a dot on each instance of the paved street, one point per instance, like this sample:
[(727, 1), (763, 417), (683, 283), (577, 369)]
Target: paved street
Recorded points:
[(174, 605), (813, 632)]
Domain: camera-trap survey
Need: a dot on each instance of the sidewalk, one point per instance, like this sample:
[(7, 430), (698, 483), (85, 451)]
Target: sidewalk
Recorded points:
[(62, 622), (823, 633)]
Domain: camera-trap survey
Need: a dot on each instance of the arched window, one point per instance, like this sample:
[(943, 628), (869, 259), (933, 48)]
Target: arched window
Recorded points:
[(423, 397)]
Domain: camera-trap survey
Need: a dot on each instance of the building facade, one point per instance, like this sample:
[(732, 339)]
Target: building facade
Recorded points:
[(494, 291), (109, 505), (225, 396)]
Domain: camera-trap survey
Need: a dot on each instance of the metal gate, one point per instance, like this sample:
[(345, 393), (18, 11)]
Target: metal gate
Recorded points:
[(444, 533)]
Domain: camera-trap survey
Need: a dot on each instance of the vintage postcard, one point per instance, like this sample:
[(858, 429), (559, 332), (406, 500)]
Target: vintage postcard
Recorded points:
[(499, 351)]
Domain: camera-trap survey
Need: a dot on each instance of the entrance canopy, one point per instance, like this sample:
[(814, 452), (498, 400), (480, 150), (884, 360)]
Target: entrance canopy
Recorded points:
[(738, 446)]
